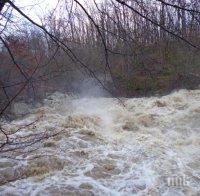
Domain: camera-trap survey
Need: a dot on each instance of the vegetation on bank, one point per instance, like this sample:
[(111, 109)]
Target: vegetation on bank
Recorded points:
[(129, 49)]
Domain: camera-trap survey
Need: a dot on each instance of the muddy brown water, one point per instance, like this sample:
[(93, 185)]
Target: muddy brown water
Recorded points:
[(149, 147)]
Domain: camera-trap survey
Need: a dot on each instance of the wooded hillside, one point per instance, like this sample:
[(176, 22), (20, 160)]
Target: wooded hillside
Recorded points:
[(129, 48)]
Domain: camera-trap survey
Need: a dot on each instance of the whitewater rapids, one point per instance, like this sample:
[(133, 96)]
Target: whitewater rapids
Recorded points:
[(140, 147)]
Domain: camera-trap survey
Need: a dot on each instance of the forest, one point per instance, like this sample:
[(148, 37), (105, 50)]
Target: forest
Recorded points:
[(128, 48)]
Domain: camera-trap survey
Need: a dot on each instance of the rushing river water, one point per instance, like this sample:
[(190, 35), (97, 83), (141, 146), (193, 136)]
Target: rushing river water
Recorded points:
[(145, 146)]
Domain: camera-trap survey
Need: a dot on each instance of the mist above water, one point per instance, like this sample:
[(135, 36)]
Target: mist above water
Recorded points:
[(90, 87)]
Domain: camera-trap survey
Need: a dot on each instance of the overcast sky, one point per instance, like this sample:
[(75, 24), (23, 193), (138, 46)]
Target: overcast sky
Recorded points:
[(36, 8)]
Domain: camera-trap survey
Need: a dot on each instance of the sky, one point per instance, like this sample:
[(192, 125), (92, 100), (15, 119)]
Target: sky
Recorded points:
[(36, 8)]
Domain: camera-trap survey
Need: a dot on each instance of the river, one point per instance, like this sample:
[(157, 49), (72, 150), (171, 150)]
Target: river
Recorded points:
[(145, 146)]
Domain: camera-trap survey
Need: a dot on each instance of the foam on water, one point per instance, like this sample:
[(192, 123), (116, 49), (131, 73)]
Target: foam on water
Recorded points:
[(108, 149)]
